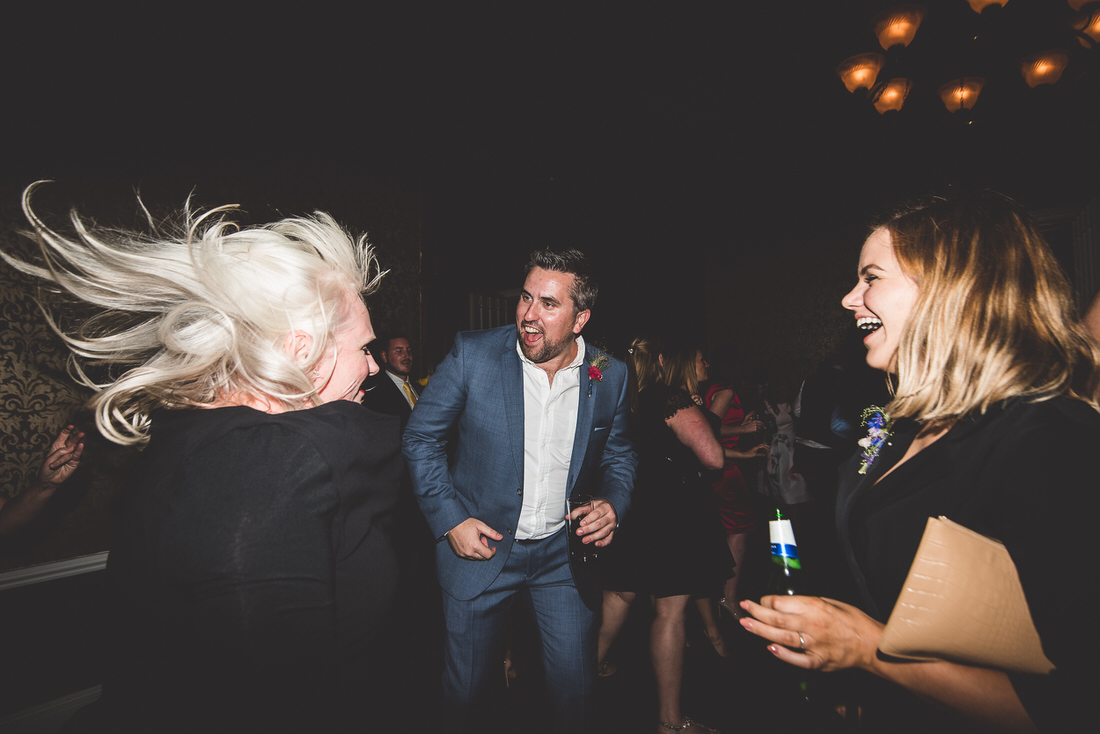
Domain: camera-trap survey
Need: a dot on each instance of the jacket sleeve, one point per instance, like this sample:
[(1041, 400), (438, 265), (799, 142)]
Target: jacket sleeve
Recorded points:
[(424, 443)]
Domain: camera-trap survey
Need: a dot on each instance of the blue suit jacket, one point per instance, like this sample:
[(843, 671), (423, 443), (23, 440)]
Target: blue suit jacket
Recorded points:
[(478, 388)]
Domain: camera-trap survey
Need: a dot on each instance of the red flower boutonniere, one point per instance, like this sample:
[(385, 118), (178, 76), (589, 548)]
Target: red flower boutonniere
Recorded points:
[(596, 367)]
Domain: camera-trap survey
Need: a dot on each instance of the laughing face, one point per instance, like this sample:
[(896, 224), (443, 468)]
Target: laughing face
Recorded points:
[(547, 319), (882, 300)]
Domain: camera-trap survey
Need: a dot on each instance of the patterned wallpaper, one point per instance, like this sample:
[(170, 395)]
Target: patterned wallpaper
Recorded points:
[(37, 398)]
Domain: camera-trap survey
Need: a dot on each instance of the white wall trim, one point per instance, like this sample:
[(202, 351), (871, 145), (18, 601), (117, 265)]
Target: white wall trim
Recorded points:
[(50, 716), (51, 571)]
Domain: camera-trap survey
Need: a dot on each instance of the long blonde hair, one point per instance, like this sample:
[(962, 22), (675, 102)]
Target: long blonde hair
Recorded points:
[(199, 310), (643, 367), (679, 368), (994, 318)]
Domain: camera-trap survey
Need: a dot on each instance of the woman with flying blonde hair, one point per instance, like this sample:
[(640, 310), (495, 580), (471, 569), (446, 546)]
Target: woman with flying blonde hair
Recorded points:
[(992, 425), (252, 569)]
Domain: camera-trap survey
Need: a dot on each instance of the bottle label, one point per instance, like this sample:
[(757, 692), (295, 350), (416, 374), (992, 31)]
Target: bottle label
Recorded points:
[(780, 531), (785, 551), (784, 548)]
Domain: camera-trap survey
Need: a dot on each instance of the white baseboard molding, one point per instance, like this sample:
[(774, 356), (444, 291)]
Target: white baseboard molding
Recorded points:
[(50, 571), (48, 718)]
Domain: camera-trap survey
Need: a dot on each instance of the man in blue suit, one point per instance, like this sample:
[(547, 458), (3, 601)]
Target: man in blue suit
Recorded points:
[(540, 416)]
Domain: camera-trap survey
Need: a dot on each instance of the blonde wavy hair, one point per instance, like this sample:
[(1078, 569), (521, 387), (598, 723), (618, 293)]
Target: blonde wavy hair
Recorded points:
[(198, 311), (643, 367), (679, 370), (994, 318)]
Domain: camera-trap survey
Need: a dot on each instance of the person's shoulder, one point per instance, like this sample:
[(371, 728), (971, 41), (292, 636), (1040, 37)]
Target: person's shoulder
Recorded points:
[(594, 354), (1058, 416), (244, 445), (330, 422), (660, 392), (496, 335), (1057, 426), (716, 387), (1062, 411), (665, 399), (486, 345)]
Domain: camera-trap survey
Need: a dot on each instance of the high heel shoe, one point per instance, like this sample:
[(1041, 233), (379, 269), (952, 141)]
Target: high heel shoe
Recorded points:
[(688, 723), (731, 608)]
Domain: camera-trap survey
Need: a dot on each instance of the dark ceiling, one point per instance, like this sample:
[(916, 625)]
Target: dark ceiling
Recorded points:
[(709, 128)]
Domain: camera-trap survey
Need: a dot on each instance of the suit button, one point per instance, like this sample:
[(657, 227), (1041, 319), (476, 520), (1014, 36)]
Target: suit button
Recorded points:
[(519, 491)]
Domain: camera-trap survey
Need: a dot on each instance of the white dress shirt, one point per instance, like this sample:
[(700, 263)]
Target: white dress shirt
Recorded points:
[(549, 426)]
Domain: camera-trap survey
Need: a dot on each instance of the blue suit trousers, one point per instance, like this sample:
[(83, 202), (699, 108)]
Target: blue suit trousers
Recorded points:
[(476, 628)]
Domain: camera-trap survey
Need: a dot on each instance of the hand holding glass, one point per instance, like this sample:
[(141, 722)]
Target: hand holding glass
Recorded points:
[(578, 550)]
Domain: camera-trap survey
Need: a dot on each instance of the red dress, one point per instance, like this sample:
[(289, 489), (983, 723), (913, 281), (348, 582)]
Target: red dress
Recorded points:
[(732, 493)]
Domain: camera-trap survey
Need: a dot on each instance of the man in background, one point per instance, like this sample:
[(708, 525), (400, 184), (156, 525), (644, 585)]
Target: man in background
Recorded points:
[(392, 391)]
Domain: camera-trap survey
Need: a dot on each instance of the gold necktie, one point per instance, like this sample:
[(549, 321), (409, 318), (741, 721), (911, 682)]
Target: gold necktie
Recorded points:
[(409, 392)]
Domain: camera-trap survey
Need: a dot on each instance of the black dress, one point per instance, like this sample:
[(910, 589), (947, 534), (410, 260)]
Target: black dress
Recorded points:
[(1023, 473), (671, 542), (254, 572)]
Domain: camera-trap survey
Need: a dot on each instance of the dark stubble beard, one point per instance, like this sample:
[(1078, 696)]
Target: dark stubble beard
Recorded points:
[(546, 350)]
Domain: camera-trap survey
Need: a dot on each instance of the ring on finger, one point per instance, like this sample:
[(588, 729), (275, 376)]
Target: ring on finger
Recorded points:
[(802, 640)]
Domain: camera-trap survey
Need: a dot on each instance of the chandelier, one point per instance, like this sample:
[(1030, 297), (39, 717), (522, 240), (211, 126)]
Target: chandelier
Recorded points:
[(1040, 45)]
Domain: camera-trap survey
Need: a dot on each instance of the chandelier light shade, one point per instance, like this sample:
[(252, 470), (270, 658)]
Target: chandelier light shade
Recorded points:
[(891, 95), (860, 71), (979, 5), (1045, 67), (897, 25), (961, 94), (1087, 26), (995, 45)]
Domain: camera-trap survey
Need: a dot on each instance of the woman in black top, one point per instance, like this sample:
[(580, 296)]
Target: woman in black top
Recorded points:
[(663, 549), (253, 567), (993, 426)]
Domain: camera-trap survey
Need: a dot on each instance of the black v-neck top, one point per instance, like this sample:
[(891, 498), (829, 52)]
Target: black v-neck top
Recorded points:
[(1024, 474)]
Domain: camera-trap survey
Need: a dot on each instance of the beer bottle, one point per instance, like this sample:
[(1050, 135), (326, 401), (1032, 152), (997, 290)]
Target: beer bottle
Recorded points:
[(787, 567), (787, 579)]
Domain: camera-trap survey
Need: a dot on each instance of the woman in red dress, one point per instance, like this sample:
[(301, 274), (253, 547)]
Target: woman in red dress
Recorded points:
[(732, 492)]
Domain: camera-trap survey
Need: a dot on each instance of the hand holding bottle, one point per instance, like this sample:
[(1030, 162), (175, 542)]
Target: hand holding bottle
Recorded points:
[(834, 635)]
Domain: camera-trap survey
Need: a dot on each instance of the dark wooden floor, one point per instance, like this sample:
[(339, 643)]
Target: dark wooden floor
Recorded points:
[(748, 691)]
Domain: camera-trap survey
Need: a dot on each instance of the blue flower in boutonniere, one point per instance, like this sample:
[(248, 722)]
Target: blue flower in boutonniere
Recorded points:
[(596, 366), (878, 432)]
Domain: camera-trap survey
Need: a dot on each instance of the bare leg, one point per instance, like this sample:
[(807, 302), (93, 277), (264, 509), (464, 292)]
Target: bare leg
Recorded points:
[(737, 544), (706, 610), (616, 607), (666, 647)]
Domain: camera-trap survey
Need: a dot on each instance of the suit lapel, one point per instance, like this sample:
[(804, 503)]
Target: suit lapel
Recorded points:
[(511, 374), (584, 420), (400, 402)]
